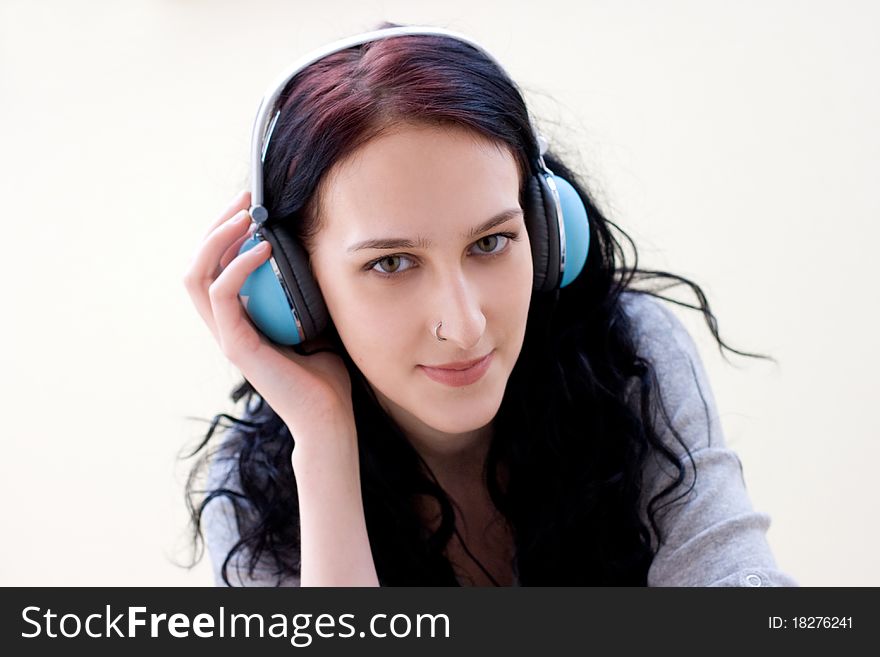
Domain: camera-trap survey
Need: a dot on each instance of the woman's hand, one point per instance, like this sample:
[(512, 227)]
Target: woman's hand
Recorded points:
[(311, 394)]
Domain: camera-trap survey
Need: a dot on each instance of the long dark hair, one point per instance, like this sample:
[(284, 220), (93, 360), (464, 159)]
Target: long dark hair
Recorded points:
[(572, 443)]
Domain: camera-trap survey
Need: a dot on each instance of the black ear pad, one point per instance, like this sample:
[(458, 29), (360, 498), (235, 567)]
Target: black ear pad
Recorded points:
[(543, 227), (293, 263)]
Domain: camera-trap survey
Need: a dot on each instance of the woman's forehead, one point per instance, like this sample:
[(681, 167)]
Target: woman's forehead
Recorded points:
[(419, 176)]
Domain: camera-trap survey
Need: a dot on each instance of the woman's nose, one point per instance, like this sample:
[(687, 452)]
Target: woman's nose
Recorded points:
[(459, 308)]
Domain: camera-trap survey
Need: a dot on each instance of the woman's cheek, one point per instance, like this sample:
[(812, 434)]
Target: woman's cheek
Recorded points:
[(377, 323)]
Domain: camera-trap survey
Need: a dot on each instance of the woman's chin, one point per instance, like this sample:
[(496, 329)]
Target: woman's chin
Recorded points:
[(461, 418)]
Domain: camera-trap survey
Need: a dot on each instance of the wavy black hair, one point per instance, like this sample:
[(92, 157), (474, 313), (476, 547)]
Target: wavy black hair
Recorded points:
[(572, 443)]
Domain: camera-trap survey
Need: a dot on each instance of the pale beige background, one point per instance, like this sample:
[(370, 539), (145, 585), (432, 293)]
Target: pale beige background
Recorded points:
[(738, 143)]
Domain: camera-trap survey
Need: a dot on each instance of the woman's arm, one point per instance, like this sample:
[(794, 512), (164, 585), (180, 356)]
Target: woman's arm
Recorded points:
[(311, 394), (712, 536), (334, 550)]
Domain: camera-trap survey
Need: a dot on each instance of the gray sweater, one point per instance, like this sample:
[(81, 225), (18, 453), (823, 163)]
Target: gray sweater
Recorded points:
[(713, 535)]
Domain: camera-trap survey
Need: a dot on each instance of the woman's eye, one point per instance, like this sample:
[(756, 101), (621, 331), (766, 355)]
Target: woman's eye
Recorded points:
[(391, 266), (489, 243)]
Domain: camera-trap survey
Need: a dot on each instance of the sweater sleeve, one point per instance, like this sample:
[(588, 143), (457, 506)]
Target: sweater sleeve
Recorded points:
[(711, 535), (221, 530)]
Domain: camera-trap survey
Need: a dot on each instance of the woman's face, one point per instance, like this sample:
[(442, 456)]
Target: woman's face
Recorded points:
[(403, 245)]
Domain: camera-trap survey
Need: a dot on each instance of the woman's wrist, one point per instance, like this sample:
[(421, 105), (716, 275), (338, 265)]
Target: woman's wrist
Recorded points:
[(334, 451)]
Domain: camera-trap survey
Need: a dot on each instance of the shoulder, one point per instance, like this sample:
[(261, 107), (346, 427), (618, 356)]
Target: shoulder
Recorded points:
[(681, 383), (712, 536), (656, 330)]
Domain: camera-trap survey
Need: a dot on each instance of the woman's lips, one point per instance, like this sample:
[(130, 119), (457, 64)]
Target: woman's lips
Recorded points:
[(458, 378)]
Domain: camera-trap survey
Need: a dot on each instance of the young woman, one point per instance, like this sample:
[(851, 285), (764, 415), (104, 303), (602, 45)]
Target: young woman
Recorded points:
[(452, 409)]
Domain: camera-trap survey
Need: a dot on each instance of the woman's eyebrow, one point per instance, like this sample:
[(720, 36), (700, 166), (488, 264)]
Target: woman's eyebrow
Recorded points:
[(421, 242)]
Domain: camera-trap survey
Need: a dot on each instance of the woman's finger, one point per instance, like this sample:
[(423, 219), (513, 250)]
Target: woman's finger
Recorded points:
[(232, 251), (205, 266), (242, 201), (236, 334)]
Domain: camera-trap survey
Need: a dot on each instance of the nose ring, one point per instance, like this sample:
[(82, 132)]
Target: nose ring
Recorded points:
[(437, 332)]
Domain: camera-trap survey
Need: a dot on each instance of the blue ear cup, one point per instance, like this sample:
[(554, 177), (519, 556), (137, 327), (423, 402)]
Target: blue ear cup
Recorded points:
[(577, 230), (281, 296), (554, 268), (266, 303)]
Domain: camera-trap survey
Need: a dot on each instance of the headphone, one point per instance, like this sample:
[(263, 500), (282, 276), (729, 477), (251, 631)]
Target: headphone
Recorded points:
[(282, 297)]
